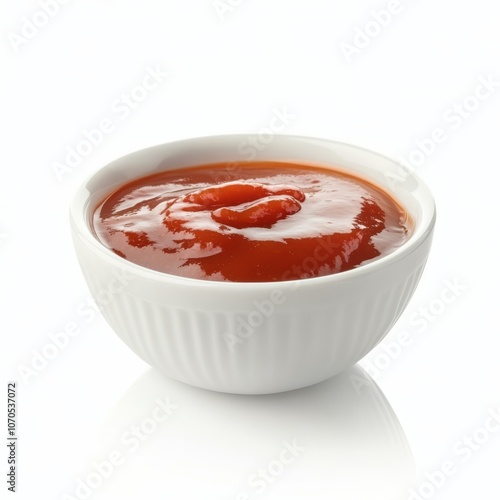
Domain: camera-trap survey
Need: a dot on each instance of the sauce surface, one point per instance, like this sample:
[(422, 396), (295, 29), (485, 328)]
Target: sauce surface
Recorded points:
[(260, 221)]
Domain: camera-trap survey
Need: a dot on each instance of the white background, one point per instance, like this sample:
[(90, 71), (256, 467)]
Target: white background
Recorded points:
[(229, 70)]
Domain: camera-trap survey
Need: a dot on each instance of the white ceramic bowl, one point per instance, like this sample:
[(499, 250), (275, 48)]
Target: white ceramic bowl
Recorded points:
[(253, 338)]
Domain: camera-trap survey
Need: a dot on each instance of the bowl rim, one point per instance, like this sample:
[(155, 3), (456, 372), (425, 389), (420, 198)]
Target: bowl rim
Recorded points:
[(79, 219)]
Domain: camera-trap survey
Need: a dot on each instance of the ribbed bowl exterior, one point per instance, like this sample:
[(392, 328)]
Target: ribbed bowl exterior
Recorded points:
[(313, 334)]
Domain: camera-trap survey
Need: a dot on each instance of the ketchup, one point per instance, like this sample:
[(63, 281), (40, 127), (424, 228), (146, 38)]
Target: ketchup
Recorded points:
[(268, 221)]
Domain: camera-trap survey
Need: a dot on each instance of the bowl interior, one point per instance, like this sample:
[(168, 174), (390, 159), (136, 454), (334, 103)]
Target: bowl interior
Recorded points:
[(404, 186)]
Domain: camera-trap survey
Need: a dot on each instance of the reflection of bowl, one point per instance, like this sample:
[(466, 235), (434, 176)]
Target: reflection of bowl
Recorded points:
[(350, 444), (253, 337)]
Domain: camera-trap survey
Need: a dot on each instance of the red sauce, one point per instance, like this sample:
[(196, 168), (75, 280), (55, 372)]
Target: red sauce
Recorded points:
[(269, 222)]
